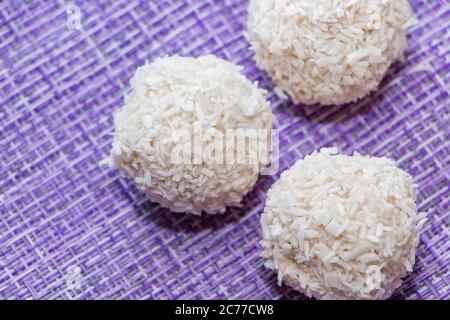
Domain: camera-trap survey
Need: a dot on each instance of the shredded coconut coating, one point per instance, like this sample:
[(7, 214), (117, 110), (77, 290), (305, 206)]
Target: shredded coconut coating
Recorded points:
[(328, 51), (168, 97), (341, 227)]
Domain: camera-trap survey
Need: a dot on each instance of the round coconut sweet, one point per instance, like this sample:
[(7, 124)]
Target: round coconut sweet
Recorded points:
[(341, 227), (328, 51), (178, 102)]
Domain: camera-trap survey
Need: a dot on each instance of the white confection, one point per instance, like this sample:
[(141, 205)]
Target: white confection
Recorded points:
[(168, 97), (328, 51), (341, 227)]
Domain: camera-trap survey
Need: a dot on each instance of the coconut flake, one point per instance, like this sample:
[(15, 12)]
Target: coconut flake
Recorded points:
[(339, 235), (170, 96), (328, 52)]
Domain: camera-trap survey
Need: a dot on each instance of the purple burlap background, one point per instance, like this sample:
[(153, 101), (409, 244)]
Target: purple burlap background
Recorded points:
[(64, 217)]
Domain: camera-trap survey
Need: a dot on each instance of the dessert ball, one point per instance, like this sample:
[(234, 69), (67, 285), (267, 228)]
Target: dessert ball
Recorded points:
[(341, 227), (329, 52), (174, 126)]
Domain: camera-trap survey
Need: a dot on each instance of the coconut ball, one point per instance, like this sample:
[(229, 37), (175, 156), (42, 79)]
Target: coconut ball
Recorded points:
[(341, 227), (327, 51), (177, 102)]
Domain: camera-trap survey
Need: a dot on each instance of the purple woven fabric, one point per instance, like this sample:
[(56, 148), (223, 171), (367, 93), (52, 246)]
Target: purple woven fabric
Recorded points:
[(62, 217)]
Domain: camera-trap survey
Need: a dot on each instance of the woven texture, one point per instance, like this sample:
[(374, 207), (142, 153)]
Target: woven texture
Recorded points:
[(70, 229)]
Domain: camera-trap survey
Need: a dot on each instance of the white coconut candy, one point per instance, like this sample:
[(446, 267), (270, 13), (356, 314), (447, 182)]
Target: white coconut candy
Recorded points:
[(341, 227), (328, 51), (170, 98)]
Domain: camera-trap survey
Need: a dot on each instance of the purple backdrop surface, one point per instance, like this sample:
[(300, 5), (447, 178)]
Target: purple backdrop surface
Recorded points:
[(70, 229)]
